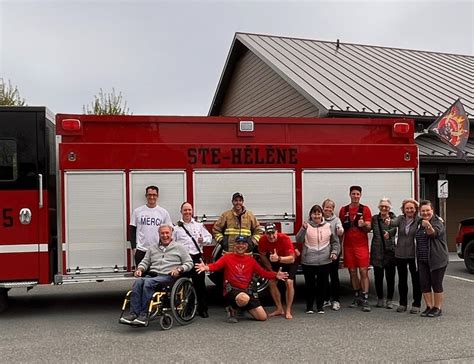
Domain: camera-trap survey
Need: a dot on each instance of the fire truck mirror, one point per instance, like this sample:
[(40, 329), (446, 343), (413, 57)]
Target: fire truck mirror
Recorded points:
[(25, 216)]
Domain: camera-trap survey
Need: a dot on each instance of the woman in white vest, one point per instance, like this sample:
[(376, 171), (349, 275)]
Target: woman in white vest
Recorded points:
[(320, 248)]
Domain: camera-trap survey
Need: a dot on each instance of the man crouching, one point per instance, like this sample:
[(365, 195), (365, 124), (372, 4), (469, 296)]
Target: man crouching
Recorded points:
[(164, 263), (239, 269)]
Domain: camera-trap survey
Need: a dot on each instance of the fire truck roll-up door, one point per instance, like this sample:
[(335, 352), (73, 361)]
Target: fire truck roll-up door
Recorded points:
[(396, 185), (172, 185), (95, 211), (269, 194)]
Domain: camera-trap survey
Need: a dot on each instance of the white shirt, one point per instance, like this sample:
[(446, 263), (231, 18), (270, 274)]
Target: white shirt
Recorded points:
[(147, 220), (197, 230)]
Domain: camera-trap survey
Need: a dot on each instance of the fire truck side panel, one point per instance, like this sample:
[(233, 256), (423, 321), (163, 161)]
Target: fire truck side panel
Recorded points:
[(282, 167)]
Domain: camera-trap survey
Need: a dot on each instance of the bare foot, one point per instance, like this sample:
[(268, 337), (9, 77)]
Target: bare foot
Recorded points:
[(276, 313), (288, 316)]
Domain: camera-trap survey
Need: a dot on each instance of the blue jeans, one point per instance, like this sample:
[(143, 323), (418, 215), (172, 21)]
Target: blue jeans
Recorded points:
[(143, 290)]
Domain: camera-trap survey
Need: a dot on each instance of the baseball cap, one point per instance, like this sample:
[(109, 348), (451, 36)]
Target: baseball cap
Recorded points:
[(270, 228), (241, 239), (358, 188), (237, 195)]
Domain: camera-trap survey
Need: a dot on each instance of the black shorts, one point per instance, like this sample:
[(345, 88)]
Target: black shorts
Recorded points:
[(232, 294), (289, 268)]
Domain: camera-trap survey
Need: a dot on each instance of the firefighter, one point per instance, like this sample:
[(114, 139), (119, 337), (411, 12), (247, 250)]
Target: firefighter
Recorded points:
[(236, 222)]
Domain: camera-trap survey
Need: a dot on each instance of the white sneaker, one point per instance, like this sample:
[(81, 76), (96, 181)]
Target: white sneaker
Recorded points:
[(336, 306)]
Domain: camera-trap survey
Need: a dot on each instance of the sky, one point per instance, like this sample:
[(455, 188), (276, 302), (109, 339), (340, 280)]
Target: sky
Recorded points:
[(166, 57)]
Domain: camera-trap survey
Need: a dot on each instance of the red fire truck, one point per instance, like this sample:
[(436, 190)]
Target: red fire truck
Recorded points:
[(68, 184)]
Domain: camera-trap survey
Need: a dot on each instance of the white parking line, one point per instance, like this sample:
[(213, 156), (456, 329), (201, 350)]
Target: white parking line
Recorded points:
[(460, 278)]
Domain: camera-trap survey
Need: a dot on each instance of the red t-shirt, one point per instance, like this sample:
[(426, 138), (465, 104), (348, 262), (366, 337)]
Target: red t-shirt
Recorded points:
[(239, 269), (355, 236), (283, 245)]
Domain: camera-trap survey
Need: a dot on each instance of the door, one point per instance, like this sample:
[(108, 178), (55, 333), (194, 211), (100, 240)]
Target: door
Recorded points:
[(20, 211)]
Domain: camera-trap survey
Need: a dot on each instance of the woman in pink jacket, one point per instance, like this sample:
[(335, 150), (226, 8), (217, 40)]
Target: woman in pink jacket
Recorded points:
[(320, 248)]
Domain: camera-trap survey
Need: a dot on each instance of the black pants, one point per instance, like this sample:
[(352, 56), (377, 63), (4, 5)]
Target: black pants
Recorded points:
[(199, 283), (332, 291), (389, 273), (315, 283), (139, 255), (431, 279), (403, 281)]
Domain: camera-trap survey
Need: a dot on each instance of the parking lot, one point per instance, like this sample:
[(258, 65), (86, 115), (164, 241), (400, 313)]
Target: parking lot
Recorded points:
[(79, 323)]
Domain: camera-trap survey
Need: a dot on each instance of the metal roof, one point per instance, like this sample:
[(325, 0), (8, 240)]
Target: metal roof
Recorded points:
[(432, 148), (360, 78)]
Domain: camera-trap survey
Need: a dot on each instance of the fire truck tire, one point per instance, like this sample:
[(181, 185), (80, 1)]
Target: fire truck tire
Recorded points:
[(3, 299), (469, 256)]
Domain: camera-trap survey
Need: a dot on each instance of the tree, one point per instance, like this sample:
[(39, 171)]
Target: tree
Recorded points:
[(107, 104), (9, 95)]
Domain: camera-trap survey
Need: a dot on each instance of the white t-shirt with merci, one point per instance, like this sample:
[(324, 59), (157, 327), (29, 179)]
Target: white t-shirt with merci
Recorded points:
[(147, 220)]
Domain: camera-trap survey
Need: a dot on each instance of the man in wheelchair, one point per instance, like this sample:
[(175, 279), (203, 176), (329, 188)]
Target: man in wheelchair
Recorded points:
[(161, 266), (239, 269)]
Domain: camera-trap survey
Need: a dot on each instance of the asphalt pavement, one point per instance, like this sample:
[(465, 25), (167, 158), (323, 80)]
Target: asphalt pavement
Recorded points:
[(79, 324)]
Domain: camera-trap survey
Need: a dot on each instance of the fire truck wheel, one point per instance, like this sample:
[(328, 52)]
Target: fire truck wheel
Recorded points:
[(469, 256), (3, 299)]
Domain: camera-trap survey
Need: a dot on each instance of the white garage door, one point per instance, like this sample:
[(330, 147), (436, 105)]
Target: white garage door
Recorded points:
[(172, 185), (318, 185), (95, 221), (269, 194)]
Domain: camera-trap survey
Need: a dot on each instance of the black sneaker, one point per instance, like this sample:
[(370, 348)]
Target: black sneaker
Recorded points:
[(141, 320), (356, 302), (203, 314), (321, 311), (425, 312), (127, 318), (365, 306), (231, 315), (435, 312)]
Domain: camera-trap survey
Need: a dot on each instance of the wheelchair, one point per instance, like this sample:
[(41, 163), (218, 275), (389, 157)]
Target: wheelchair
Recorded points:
[(177, 302)]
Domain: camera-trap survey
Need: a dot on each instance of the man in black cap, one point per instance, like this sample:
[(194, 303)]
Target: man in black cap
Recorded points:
[(236, 222), (277, 252), (239, 269), (357, 222)]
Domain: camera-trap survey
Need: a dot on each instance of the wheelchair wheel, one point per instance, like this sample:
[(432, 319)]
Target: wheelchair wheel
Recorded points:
[(166, 321), (183, 301)]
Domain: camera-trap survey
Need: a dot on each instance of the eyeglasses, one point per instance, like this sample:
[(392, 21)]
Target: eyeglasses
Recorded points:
[(151, 195), (384, 207)]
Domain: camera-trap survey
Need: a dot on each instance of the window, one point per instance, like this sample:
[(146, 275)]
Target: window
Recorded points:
[(8, 160)]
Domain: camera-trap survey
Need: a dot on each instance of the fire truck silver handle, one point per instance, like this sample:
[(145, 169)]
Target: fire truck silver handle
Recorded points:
[(40, 178)]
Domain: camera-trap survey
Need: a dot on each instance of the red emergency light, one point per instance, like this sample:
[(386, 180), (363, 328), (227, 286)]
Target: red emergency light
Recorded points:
[(71, 124), (401, 128)]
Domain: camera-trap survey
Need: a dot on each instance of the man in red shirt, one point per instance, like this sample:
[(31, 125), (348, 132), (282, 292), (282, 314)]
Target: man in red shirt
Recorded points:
[(277, 252), (238, 271), (356, 221)]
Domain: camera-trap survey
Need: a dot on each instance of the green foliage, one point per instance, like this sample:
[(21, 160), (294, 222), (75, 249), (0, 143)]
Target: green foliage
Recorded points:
[(107, 104), (9, 95)]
